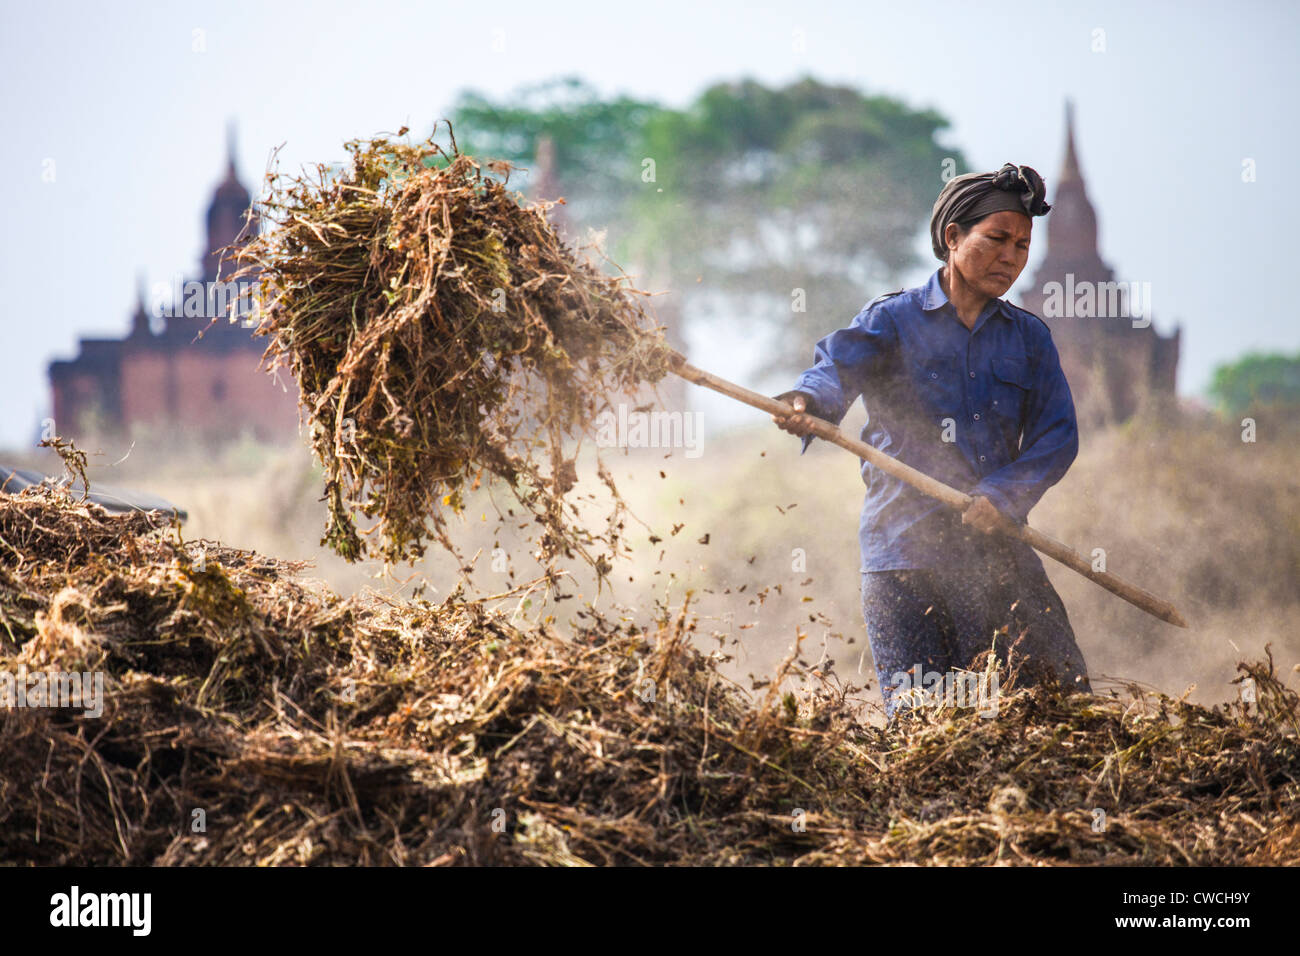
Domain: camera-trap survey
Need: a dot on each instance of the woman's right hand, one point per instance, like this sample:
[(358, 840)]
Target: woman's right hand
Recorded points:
[(799, 423)]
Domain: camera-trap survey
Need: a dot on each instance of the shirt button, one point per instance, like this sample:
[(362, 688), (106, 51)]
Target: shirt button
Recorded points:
[(972, 374), (934, 374), (977, 416), (981, 457)]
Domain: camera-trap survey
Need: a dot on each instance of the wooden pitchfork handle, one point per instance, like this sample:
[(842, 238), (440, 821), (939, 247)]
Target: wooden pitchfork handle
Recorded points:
[(1063, 553)]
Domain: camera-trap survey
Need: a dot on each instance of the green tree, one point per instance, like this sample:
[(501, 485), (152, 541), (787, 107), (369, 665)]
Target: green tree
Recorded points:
[(810, 196), (595, 141), (1257, 381), (790, 206)]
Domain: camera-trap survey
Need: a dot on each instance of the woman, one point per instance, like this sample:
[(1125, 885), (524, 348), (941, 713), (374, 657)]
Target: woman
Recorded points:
[(967, 388)]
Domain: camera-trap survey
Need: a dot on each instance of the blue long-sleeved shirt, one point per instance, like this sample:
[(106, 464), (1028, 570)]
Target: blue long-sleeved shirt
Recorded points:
[(985, 410)]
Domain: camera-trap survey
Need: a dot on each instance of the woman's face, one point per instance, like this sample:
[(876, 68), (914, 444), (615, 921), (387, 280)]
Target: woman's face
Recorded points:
[(992, 254)]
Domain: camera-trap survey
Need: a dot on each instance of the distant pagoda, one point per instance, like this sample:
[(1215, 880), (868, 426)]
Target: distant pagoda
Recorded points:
[(183, 372), (1116, 365)]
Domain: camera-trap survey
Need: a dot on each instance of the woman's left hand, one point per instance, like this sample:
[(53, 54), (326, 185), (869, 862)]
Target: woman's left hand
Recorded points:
[(984, 516)]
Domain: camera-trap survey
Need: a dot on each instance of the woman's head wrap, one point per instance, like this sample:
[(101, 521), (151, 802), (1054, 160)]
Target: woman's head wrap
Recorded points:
[(964, 199)]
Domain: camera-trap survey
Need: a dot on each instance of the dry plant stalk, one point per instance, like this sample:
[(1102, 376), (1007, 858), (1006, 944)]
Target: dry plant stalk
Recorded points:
[(441, 334), (75, 461)]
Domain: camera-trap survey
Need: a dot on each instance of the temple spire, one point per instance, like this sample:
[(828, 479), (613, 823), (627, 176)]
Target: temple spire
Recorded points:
[(140, 327), (545, 182), (231, 175), (1070, 168), (225, 218), (1072, 223)]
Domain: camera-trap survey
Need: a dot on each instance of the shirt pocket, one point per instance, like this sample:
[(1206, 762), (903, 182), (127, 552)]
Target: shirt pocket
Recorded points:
[(1011, 387), (938, 381)]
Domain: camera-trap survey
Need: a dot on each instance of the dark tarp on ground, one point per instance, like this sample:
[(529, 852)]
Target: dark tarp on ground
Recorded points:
[(115, 500)]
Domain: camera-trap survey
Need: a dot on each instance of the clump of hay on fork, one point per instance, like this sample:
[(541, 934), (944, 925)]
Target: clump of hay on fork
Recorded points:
[(441, 334)]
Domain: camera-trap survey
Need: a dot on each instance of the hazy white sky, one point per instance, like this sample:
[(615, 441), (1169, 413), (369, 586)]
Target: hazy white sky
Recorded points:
[(133, 117)]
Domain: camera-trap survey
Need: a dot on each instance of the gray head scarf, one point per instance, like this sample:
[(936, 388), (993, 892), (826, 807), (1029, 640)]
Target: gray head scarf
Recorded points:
[(976, 195)]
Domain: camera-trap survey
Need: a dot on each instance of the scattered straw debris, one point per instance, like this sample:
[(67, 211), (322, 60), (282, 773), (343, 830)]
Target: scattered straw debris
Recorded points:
[(75, 461), (250, 717), (441, 333)]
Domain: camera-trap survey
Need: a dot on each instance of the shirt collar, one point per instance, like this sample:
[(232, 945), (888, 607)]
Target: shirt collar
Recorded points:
[(934, 298)]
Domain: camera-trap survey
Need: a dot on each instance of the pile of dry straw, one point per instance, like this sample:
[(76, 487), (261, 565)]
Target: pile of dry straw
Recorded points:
[(250, 717)]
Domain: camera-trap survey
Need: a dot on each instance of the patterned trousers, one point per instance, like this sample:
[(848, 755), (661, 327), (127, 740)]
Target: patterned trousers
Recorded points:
[(932, 620)]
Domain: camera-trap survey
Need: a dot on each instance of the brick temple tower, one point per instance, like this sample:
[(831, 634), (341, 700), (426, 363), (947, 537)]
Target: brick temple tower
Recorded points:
[(177, 370), (1116, 362)]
